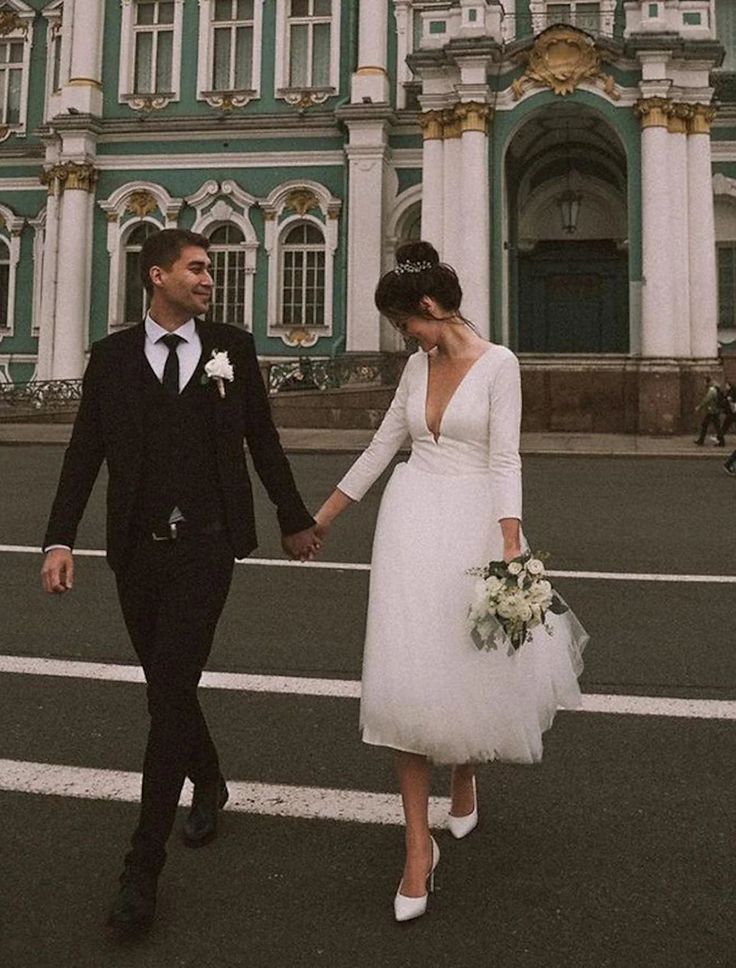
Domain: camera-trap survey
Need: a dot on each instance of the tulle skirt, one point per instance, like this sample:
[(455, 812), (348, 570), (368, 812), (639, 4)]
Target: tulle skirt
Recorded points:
[(426, 687)]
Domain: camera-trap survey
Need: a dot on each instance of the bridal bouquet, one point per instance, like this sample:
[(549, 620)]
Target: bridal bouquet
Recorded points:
[(510, 599)]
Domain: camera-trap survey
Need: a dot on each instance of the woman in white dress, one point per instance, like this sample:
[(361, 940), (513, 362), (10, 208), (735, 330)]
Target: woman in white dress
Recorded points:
[(427, 692)]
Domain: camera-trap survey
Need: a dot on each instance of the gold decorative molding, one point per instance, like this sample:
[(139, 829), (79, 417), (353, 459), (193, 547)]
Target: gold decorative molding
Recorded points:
[(653, 112), (301, 200), (2, 222), (141, 203), (148, 102), (228, 100), (299, 336), (432, 125), (4, 131), (451, 125), (111, 217), (69, 175), (473, 116), (679, 118), (269, 215), (305, 99), (85, 82), (701, 119), (370, 71), (10, 21), (561, 59)]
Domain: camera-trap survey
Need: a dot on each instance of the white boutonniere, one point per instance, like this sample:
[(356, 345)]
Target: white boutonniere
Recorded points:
[(219, 369)]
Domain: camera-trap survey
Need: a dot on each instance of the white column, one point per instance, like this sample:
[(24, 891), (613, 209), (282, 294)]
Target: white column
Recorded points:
[(70, 331), (703, 272), (474, 200), (367, 157), (84, 88), (370, 80), (433, 179), (678, 239), (452, 250), (657, 331), (403, 13), (47, 321)]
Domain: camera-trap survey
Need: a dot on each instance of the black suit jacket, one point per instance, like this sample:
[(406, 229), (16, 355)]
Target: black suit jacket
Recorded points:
[(110, 426)]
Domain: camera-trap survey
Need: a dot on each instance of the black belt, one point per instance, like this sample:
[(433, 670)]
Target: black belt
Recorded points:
[(186, 529)]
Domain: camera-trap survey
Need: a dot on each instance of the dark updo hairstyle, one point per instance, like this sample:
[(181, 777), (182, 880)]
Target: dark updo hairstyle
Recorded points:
[(418, 273)]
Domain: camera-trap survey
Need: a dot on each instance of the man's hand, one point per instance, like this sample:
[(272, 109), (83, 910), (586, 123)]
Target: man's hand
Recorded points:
[(57, 574), (302, 546)]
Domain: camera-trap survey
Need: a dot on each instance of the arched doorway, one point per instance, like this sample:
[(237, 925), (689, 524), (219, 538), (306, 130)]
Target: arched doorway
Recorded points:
[(568, 234)]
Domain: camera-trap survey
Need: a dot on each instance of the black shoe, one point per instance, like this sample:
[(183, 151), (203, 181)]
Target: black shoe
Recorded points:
[(729, 470), (201, 824), (699, 442), (135, 906)]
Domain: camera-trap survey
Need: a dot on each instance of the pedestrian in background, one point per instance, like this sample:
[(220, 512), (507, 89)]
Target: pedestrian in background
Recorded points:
[(728, 406), (712, 407)]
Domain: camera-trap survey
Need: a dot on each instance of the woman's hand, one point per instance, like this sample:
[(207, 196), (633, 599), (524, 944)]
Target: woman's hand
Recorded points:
[(510, 552)]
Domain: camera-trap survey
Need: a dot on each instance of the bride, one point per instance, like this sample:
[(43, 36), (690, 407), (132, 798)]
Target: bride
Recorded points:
[(427, 692)]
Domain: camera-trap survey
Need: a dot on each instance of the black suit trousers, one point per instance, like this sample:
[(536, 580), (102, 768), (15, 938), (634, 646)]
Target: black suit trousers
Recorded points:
[(172, 594)]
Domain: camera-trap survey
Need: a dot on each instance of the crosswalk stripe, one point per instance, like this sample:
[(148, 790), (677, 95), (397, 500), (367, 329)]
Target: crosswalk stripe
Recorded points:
[(350, 688), (362, 566), (266, 799)]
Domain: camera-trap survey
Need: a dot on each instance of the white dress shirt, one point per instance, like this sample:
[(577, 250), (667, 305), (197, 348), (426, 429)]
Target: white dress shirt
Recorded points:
[(188, 351)]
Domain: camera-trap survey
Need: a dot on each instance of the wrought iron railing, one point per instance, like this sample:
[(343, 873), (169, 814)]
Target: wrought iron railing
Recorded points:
[(330, 374), (39, 397)]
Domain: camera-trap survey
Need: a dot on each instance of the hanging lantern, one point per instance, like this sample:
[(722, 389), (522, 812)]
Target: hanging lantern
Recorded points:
[(570, 203)]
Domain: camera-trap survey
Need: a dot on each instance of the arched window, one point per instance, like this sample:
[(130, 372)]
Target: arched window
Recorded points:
[(303, 277), (411, 228), (136, 298), (4, 285), (228, 271)]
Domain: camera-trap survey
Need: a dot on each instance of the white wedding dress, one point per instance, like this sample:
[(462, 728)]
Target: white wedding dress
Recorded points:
[(426, 687)]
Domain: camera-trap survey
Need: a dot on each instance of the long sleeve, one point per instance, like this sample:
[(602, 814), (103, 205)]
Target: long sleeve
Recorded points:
[(386, 442), (505, 429), (82, 461), (269, 459)]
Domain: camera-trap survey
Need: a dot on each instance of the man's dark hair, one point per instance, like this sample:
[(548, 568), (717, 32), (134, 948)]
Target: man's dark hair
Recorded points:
[(163, 249)]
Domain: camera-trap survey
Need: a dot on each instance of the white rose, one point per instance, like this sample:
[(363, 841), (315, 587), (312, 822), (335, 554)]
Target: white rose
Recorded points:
[(493, 586), (525, 612), (219, 367), (540, 593), (514, 567), (535, 567)]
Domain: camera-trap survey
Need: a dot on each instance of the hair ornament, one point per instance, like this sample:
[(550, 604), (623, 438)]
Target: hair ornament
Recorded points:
[(412, 267)]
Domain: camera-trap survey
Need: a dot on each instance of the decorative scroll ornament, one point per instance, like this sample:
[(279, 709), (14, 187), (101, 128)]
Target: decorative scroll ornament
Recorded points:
[(654, 112), (702, 118), (148, 102), (228, 101), (4, 131), (301, 200), (432, 125), (141, 204), (473, 116), (70, 176), (299, 336), (306, 99), (10, 21), (561, 59)]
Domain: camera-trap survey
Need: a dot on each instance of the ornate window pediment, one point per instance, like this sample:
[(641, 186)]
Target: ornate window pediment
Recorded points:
[(16, 41), (11, 226)]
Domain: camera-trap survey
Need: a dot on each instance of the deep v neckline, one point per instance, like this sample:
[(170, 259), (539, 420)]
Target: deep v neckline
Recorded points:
[(461, 381)]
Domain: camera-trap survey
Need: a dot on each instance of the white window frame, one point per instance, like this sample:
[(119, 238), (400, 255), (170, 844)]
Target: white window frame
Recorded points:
[(305, 96), (216, 205), (135, 99), (285, 231), (57, 32), (235, 98), (539, 12), (22, 32), (120, 222), (276, 229), (11, 227)]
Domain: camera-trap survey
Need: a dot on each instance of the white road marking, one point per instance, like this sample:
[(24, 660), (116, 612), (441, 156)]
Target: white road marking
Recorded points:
[(350, 688), (361, 566), (273, 800)]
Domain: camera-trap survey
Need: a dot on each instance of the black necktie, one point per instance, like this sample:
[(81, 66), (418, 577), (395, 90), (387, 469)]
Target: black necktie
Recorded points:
[(171, 369)]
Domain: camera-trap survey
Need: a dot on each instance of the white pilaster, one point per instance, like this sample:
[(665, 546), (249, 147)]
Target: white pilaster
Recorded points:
[(679, 244), (474, 271), (433, 181), (703, 273), (368, 170), (657, 329), (370, 80), (83, 90), (452, 250), (72, 292), (47, 321)]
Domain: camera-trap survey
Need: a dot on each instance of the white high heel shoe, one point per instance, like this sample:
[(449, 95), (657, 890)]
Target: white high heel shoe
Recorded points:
[(408, 908), (461, 826)]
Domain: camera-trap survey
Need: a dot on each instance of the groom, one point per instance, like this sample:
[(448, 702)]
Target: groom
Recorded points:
[(179, 510)]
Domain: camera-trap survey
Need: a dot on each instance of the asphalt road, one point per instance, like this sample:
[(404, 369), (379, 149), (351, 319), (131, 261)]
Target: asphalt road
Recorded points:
[(616, 851)]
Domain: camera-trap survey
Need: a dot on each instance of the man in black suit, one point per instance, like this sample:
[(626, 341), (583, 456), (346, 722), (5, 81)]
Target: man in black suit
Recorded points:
[(179, 510)]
